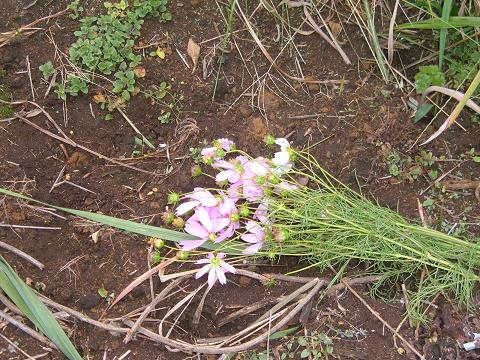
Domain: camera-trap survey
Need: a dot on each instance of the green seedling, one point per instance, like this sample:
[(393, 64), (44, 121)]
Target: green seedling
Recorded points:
[(47, 70), (428, 76), (76, 9)]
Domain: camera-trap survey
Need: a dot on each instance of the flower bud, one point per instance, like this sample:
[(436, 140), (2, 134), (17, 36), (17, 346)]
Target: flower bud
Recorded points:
[(244, 211), (156, 257), (269, 140), (178, 222), (173, 198), (196, 171), (183, 255), (208, 160), (168, 217), (235, 217), (156, 242)]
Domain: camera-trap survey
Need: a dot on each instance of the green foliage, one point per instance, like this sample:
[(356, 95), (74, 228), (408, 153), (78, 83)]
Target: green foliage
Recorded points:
[(76, 8), (6, 110), (76, 85), (316, 346), (139, 148), (105, 43), (29, 304), (165, 118), (47, 70), (157, 92), (427, 76), (60, 91), (464, 59), (406, 168)]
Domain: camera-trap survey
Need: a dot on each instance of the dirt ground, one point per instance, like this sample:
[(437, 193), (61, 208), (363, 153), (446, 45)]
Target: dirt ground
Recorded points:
[(358, 120)]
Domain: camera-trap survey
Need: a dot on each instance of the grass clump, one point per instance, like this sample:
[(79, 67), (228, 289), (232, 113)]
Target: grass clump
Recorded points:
[(328, 224)]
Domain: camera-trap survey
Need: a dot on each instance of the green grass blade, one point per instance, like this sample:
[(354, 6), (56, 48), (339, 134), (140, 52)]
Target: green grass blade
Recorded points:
[(134, 227), (35, 310), (447, 8), (454, 22), (127, 225), (376, 44)]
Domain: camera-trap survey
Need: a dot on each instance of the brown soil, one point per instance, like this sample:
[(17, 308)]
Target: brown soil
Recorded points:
[(358, 125)]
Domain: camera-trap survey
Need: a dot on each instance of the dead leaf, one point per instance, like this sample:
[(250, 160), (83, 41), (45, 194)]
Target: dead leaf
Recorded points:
[(95, 236), (140, 72), (335, 28), (99, 98), (193, 50), (136, 91)]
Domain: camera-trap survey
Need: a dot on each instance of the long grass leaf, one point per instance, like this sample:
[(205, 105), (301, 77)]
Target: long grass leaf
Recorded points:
[(438, 23), (127, 225), (35, 310), (447, 8), (458, 109), (134, 227), (376, 44)]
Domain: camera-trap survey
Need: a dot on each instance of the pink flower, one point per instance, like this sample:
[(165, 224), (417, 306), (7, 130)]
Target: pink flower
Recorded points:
[(228, 209), (255, 237), (233, 169), (216, 269), (203, 225), (258, 167), (262, 214), (199, 196), (224, 144), (252, 191)]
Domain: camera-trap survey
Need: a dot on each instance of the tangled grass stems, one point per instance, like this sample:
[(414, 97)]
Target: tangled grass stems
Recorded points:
[(329, 224)]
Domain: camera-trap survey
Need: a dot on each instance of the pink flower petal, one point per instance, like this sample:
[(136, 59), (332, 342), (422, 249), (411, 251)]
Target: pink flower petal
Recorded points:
[(227, 268), (202, 261), (212, 277), (221, 276), (203, 270), (205, 197), (204, 219), (191, 244), (252, 249), (219, 224), (222, 164), (224, 175), (186, 207), (250, 238), (196, 229)]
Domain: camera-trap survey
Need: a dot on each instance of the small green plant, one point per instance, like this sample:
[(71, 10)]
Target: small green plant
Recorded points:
[(60, 91), (124, 83), (427, 76), (157, 92), (47, 70), (410, 169), (429, 204), (105, 43), (165, 118), (139, 147), (316, 346), (6, 110), (104, 294), (76, 8), (76, 85)]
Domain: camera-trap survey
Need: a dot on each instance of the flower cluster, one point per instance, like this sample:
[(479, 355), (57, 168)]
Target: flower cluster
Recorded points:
[(238, 210)]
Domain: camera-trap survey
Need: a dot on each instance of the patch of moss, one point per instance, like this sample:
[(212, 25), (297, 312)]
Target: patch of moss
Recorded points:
[(6, 110)]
